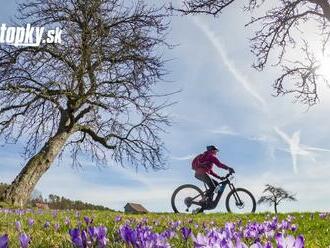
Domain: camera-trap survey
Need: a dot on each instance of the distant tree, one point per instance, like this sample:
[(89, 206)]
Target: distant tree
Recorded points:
[(280, 30), (92, 94), (57, 202), (275, 195)]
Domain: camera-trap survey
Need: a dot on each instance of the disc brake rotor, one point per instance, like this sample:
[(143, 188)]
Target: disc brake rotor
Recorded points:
[(240, 205)]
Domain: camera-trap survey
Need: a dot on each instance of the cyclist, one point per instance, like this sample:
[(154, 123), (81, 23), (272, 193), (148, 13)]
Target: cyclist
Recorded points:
[(203, 166)]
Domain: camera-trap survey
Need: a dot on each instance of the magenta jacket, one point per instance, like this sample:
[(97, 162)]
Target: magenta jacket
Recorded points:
[(206, 164)]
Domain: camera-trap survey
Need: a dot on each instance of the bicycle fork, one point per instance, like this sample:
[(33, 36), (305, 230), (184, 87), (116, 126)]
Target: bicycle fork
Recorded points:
[(236, 196)]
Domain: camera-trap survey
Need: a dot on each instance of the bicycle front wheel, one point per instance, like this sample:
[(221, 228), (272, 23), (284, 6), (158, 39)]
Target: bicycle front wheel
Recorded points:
[(240, 201), (186, 198)]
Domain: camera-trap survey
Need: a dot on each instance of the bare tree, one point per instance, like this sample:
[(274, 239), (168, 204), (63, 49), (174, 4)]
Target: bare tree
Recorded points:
[(274, 196), (94, 93), (280, 30)]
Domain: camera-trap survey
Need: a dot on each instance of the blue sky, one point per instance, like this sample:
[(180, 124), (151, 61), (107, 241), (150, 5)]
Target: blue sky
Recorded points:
[(224, 102)]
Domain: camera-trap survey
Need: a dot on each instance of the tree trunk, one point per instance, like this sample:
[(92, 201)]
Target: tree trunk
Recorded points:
[(18, 193), (275, 208)]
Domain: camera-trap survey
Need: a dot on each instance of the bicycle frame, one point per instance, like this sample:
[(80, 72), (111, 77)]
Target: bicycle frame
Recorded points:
[(213, 204)]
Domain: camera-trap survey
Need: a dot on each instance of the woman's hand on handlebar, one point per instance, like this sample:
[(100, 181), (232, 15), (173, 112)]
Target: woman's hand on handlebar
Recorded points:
[(228, 175)]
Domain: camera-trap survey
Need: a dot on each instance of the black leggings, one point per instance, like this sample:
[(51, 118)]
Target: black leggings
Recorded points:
[(211, 183)]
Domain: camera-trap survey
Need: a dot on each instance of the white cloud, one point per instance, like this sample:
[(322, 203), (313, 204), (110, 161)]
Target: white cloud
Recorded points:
[(226, 130)]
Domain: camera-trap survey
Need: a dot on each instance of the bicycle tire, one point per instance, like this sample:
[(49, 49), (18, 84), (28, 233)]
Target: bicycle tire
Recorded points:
[(180, 188), (254, 204)]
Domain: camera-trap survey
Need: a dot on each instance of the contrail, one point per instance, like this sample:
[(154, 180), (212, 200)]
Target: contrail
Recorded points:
[(228, 63), (296, 148)]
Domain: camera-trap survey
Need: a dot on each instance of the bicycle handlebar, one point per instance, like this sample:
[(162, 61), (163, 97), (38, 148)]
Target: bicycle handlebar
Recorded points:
[(227, 176)]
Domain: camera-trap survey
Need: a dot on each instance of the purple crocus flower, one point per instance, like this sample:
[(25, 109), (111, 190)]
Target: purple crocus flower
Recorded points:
[(280, 240), (168, 233), (128, 235), (200, 240), (186, 232), (144, 220), (323, 215), (47, 224), (102, 236), (18, 226), (76, 238), (226, 243), (274, 221), (268, 245), (230, 228), (54, 213), (67, 221), (175, 224), (84, 238), (257, 245), (88, 220), (4, 241), (20, 212), (154, 240), (92, 232), (293, 227), (30, 222), (24, 240), (240, 244), (289, 241), (299, 243), (285, 225), (118, 218)]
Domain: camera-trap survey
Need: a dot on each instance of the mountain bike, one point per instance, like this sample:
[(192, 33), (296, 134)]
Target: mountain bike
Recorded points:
[(190, 198)]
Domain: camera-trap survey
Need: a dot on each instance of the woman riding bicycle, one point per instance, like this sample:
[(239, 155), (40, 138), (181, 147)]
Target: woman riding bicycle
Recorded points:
[(189, 198), (203, 166)]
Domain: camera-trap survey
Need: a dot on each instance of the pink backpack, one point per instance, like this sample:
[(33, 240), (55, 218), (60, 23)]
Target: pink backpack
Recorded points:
[(196, 162)]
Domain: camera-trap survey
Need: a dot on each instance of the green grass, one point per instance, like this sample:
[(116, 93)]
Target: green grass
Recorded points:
[(316, 230)]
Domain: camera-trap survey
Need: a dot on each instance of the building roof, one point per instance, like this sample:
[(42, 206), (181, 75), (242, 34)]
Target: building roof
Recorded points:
[(137, 207)]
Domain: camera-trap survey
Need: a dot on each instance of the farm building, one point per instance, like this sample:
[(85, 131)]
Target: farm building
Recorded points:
[(41, 205), (135, 208)]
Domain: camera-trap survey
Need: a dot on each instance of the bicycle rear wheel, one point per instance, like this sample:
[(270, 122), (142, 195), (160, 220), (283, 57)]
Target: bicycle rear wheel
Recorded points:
[(240, 201), (185, 199)]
